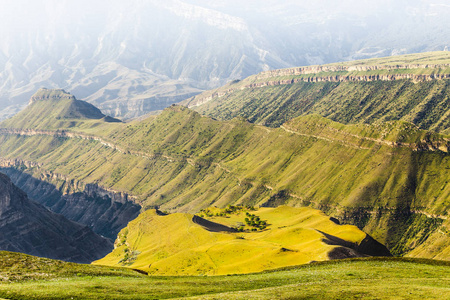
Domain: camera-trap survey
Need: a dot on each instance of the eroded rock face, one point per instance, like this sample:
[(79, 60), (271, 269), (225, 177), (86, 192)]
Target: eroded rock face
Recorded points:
[(105, 212), (28, 227), (342, 68), (269, 78), (46, 94)]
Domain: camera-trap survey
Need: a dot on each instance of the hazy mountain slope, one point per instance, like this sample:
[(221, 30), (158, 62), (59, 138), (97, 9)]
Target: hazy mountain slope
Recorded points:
[(55, 109), (28, 227), (129, 58), (412, 88), (388, 179), (183, 244)]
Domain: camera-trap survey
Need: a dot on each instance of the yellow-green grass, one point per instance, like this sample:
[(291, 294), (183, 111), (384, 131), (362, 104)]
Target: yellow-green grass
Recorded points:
[(373, 278), (176, 245)]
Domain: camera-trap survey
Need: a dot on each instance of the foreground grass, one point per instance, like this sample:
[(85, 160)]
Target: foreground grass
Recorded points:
[(385, 278)]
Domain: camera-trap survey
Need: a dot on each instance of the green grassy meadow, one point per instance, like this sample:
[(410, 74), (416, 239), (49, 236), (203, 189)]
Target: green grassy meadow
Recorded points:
[(373, 278)]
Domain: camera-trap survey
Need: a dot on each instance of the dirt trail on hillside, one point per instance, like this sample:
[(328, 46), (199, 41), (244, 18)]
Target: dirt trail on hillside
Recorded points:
[(413, 146)]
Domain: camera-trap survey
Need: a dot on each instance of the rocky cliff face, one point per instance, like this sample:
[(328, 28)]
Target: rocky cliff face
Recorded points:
[(344, 68), (45, 94), (105, 212), (27, 227), (269, 78)]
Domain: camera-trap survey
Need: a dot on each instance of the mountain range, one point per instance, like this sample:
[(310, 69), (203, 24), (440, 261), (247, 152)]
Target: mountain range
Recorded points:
[(409, 88), (385, 175), (365, 142), (133, 58)]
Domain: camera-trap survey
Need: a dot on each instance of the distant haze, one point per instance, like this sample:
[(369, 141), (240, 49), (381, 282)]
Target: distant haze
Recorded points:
[(133, 57)]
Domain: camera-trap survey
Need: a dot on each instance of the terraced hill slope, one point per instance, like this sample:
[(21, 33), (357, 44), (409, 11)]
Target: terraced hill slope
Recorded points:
[(183, 244), (52, 112), (412, 88)]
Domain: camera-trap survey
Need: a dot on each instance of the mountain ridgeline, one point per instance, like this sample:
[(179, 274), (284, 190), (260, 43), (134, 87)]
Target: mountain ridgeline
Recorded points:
[(162, 52)]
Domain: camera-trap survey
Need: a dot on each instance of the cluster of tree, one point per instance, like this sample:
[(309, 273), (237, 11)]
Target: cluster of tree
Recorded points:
[(255, 222), (230, 209)]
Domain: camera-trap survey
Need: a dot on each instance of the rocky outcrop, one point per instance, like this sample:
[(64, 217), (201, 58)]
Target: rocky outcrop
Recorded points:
[(351, 78), (262, 79), (28, 227), (343, 68), (105, 212), (46, 94)]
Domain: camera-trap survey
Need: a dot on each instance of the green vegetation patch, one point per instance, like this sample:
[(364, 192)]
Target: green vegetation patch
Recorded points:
[(423, 103)]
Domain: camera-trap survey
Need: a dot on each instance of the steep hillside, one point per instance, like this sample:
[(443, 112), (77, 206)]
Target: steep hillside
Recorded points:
[(412, 88), (105, 212), (183, 244), (28, 227), (387, 179)]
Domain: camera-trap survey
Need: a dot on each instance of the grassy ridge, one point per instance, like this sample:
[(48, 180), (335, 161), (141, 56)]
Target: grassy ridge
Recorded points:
[(427, 58), (183, 162), (352, 279)]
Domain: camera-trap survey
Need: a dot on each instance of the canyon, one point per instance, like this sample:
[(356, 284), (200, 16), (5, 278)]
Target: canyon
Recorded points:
[(28, 227)]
